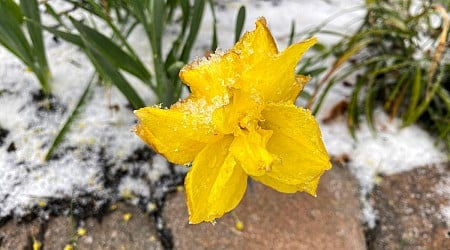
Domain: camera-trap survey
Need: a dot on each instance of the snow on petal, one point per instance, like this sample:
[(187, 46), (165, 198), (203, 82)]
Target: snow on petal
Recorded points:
[(176, 135)]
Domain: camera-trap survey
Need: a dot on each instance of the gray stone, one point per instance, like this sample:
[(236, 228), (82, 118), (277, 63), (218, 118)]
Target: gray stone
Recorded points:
[(275, 220), (409, 209)]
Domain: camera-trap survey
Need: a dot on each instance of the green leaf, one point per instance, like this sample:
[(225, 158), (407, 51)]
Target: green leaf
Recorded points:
[(11, 35), (214, 39), (196, 18), (87, 93), (292, 33), (31, 11), (240, 20), (157, 27), (111, 52), (416, 90), (353, 111), (109, 72)]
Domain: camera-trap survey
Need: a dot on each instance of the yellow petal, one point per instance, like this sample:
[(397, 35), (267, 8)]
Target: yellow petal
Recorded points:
[(211, 78), (249, 149), (256, 45), (297, 141), (215, 184), (274, 77), (176, 134), (242, 112)]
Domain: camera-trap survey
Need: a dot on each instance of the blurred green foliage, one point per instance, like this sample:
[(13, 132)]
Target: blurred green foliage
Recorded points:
[(398, 59), (24, 39)]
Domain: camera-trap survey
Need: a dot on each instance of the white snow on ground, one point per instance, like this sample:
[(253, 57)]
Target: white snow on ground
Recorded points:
[(102, 136)]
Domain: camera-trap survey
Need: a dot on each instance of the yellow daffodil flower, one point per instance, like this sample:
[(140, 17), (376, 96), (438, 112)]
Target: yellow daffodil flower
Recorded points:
[(240, 120)]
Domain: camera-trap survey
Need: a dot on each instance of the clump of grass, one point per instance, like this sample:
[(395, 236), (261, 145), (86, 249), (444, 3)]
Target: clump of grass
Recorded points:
[(398, 59), (24, 39)]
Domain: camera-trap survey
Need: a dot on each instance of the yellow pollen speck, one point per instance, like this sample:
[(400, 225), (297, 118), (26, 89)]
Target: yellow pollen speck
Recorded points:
[(127, 194), (239, 225), (126, 217), (81, 232), (36, 244), (113, 207), (152, 238), (42, 204), (68, 247), (151, 207)]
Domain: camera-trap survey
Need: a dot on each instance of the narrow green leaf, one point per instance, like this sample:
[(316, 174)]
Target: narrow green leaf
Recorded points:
[(87, 93), (186, 10), (112, 52), (157, 27), (214, 39), (292, 33), (67, 36), (197, 15), (369, 103), (353, 107), (416, 90), (110, 73), (426, 102), (31, 11), (240, 20), (11, 10), (11, 35)]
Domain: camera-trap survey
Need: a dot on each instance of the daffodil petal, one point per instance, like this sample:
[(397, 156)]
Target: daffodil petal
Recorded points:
[(257, 44), (177, 135), (215, 184), (241, 112), (274, 77), (210, 78), (298, 144), (308, 187), (249, 149)]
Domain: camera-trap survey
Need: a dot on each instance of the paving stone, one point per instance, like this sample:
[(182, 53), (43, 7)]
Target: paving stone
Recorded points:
[(409, 209), (275, 220), (112, 232), (15, 235)]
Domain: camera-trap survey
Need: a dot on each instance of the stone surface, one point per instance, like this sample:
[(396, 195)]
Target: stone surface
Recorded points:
[(275, 220), (409, 208), (15, 235), (112, 232)]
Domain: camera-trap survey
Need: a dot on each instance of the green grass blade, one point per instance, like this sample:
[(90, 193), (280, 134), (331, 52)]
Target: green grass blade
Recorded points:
[(214, 39), (11, 35), (11, 10), (87, 93), (49, 9), (111, 74), (112, 52), (67, 36), (353, 107), (240, 20), (426, 102), (369, 104), (158, 21), (31, 11), (416, 90), (196, 18), (292, 33)]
